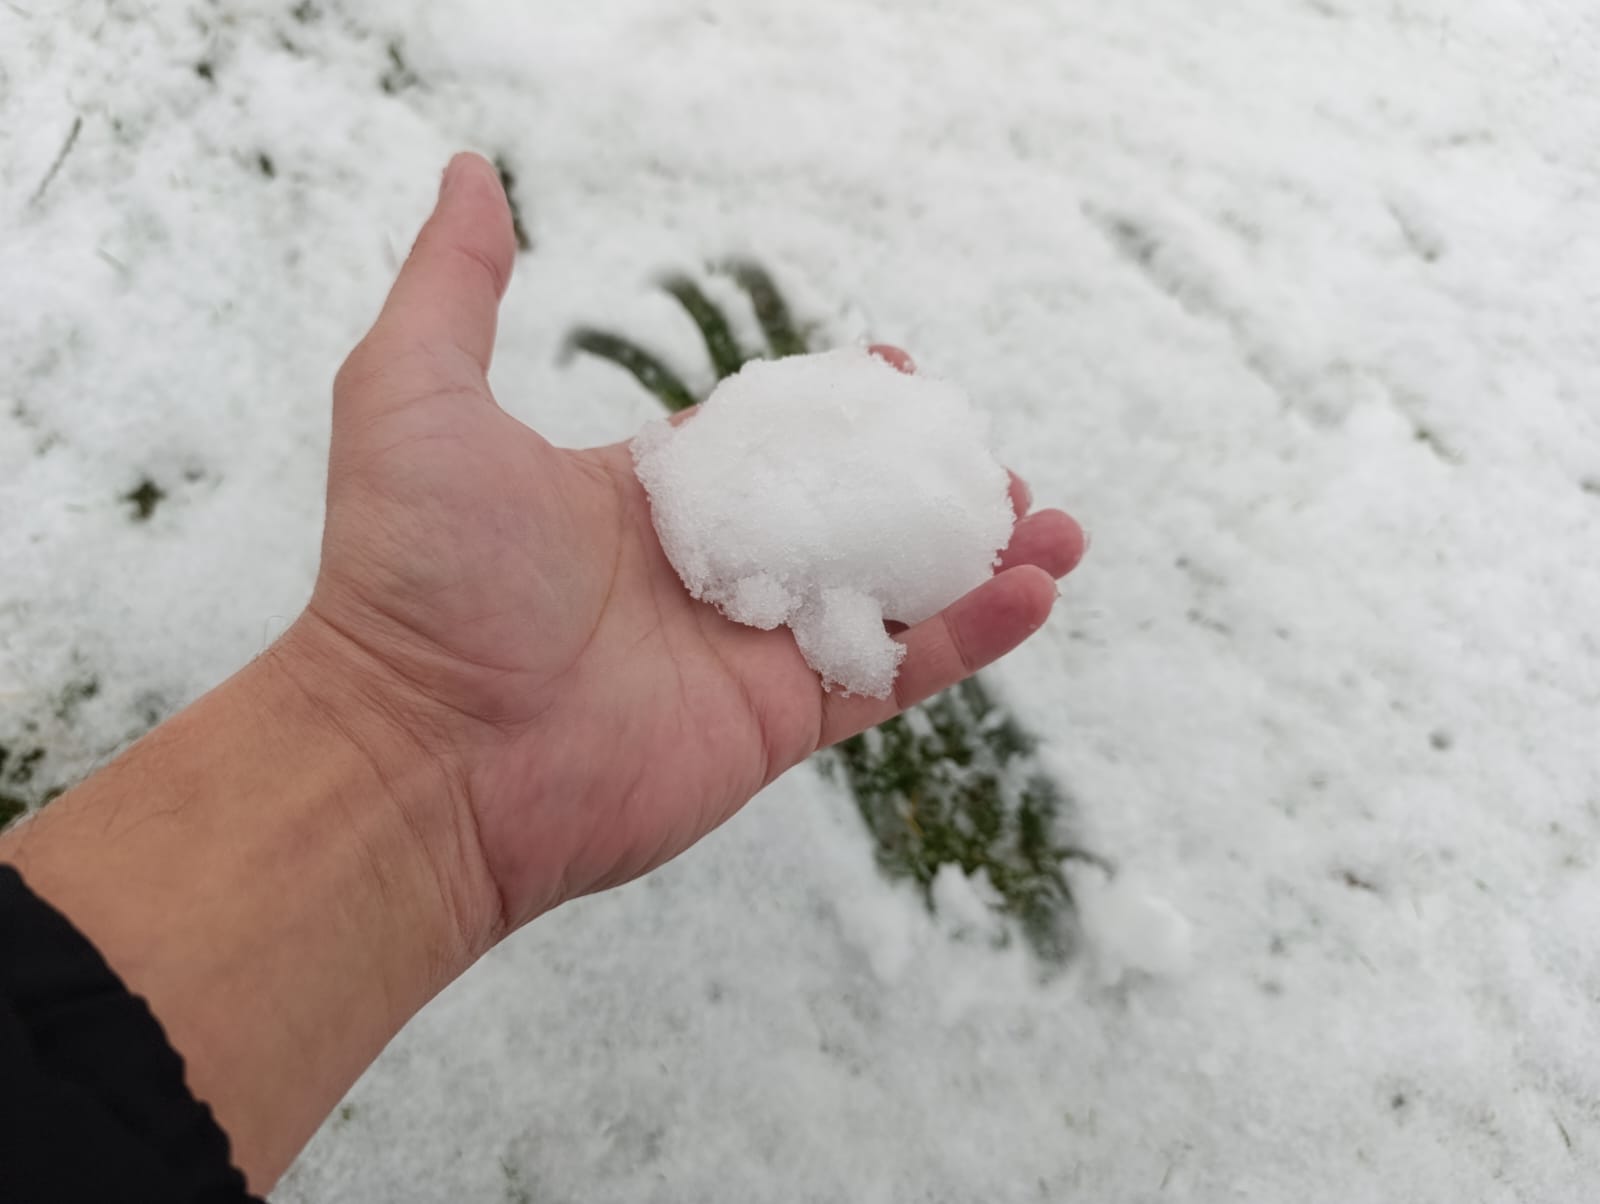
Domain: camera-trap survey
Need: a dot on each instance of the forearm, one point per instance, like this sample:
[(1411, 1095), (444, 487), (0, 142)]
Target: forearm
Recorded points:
[(275, 871)]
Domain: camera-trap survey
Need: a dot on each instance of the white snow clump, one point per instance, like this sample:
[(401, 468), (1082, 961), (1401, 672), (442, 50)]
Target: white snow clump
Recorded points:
[(829, 492)]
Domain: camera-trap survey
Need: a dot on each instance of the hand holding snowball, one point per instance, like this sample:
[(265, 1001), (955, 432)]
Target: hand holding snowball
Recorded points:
[(516, 597), (499, 697)]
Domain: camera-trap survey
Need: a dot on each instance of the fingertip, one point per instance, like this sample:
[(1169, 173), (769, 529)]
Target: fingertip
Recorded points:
[(450, 286), (474, 216), (896, 357), (470, 170), (1072, 542), (1050, 540)]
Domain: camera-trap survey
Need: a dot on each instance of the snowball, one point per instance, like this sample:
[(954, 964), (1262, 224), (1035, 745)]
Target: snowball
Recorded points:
[(829, 492)]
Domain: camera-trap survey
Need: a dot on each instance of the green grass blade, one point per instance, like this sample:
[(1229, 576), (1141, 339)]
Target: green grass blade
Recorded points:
[(771, 310), (662, 382), (710, 321)]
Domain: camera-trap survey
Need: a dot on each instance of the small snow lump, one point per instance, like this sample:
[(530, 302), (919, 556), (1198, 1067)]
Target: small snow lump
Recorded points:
[(829, 492)]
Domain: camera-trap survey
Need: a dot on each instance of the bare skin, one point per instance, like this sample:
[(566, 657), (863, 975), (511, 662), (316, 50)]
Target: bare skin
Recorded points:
[(499, 697)]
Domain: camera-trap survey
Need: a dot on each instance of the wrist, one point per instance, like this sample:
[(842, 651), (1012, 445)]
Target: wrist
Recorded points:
[(286, 871), (410, 759)]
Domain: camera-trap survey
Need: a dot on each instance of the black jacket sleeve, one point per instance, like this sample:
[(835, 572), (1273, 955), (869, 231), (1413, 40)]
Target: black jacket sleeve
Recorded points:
[(93, 1103)]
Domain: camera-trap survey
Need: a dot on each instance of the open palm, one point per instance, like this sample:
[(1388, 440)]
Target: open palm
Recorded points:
[(515, 600)]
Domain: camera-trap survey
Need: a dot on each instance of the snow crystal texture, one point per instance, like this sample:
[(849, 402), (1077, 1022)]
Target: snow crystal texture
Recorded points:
[(829, 492)]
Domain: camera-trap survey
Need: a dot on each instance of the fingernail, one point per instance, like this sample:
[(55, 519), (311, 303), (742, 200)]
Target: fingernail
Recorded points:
[(452, 171), (896, 357)]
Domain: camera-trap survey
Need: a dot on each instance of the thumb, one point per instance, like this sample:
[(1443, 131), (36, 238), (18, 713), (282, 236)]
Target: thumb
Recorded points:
[(447, 296)]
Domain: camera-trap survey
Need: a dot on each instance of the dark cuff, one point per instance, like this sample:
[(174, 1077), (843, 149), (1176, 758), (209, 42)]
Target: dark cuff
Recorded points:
[(93, 1103)]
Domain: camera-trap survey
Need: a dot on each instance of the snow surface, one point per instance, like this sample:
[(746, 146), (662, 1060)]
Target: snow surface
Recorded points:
[(829, 492), (1294, 304)]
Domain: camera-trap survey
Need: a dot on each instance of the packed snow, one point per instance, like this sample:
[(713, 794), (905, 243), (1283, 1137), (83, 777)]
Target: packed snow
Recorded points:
[(829, 492), (1292, 304)]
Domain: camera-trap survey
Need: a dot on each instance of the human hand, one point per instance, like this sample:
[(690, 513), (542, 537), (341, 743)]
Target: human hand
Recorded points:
[(500, 696), (502, 607)]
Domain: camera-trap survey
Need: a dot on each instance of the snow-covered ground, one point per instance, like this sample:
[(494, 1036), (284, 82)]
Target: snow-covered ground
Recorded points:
[(1296, 305)]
